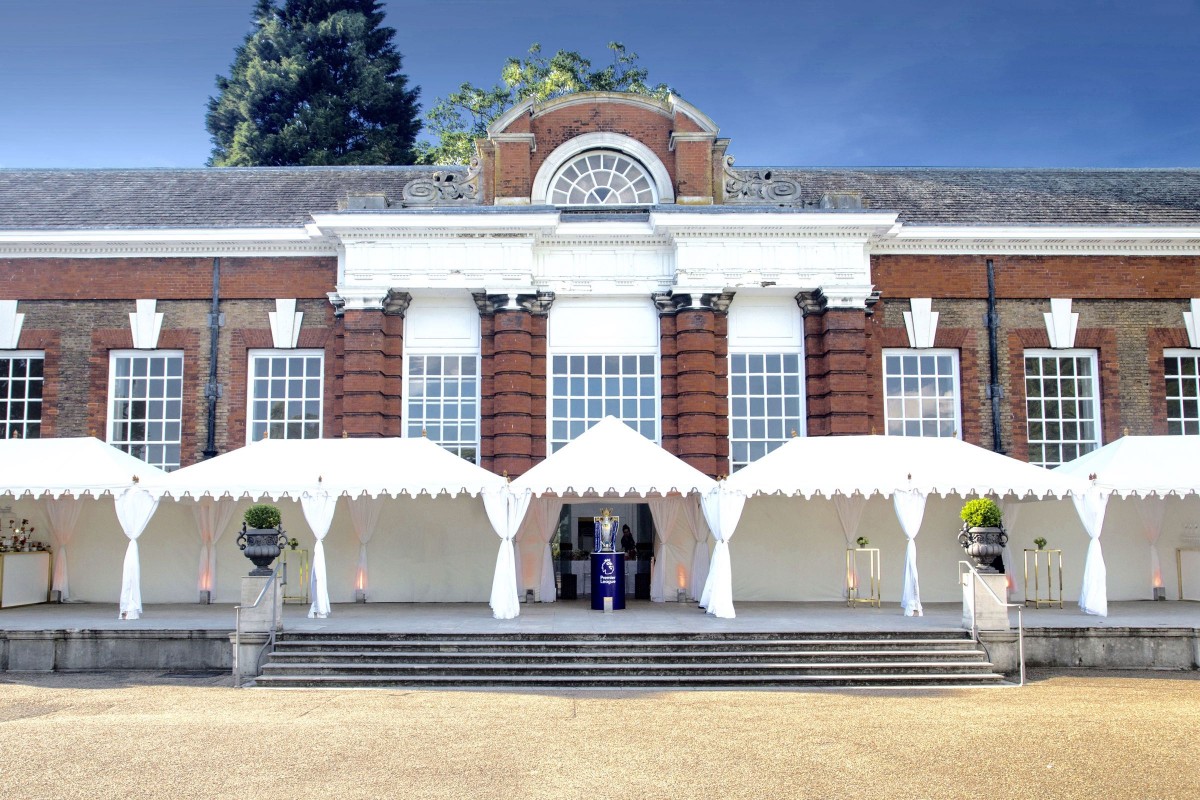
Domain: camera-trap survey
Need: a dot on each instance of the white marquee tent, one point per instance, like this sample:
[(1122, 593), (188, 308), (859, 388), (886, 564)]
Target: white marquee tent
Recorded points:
[(611, 460), (1148, 469), (62, 473), (848, 470), (315, 473)]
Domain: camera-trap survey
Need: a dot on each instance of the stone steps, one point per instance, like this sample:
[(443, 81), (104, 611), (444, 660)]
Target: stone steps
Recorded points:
[(619, 661)]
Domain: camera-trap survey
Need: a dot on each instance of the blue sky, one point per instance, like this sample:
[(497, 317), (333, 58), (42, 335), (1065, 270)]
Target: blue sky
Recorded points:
[(1025, 83)]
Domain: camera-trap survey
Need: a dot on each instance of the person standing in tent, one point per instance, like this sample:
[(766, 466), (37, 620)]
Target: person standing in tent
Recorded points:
[(628, 544)]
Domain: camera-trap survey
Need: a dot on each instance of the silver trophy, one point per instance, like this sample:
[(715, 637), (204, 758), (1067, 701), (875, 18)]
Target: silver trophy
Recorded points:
[(608, 530)]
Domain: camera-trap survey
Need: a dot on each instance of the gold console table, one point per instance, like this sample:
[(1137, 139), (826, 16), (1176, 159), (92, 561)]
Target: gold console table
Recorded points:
[(298, 575), (1053, 594), (1179, 551), (854, 594)]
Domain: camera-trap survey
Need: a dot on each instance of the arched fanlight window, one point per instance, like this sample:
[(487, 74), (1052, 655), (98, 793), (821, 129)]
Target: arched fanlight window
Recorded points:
[(602, 178)]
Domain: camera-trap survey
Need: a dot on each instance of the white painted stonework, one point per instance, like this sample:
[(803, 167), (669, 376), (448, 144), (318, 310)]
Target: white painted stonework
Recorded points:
[(145, 325), (921, 322), (10, 325), (1191, 320), (285, 323), (1061, 324)]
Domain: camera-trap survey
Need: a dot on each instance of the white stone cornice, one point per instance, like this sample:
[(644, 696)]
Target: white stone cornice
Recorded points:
[(715, 223), (527, 138), (431, 223), (690, 136), (1040, 240), (117, 243)]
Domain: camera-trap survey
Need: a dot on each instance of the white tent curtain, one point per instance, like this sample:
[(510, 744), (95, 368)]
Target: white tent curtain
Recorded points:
[(695, 523), (722, 510), (665, 511), (910, 510), (318, 510), (212, 516), (364, 517), (63, 513), (1010, 511), (849, 511), (540, 525), (134, 507), (505, 510), (1093, 595), (1151, 511)]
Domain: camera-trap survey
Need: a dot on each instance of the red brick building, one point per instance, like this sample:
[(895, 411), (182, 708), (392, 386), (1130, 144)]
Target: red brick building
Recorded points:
[(604, 255)]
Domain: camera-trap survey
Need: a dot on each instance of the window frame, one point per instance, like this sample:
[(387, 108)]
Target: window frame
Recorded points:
[(276, 352), (956, 369), (651, 189), (406, 397), (1097, 420), (6, 402), (1183, 420), (127, 445), (554, 443), (790, 427)]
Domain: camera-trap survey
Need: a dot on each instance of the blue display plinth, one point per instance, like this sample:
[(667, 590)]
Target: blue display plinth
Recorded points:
[(608, 580)]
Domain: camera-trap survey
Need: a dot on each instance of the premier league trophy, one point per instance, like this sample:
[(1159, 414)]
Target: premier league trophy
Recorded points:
[(608, 566), (606, 527)]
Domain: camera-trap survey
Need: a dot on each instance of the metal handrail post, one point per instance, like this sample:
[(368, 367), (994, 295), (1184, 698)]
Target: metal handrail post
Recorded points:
[(237, 623), (1020, 619)]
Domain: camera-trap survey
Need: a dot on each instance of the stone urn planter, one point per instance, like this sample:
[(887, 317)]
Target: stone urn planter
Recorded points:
[(262, 538), (982, 534)]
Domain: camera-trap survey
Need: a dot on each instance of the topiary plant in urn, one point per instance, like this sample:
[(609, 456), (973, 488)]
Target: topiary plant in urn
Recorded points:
[(262, 538), (982, 534)]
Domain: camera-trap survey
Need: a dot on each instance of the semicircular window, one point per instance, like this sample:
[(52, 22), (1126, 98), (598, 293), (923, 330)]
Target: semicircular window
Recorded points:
[(602, 178)]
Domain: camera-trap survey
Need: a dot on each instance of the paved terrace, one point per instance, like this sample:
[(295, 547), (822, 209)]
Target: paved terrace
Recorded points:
[(577, 616)]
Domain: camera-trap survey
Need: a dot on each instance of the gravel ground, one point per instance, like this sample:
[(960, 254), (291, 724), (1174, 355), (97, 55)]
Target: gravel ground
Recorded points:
[(1068, 734)]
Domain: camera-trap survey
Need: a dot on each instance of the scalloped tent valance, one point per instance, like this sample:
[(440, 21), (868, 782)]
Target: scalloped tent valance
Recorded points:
[(1141, 466), (77, 467), (278, 468), (867, 465)]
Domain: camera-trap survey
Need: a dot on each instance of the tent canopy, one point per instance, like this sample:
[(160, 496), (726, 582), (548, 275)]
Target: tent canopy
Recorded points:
[(613, 459), (1142, 466), (78, 467), (278, 468), (867, 465)]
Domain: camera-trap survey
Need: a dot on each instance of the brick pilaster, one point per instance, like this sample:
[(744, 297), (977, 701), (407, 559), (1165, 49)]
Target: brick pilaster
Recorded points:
[(513, 411), (835, 348), (372, 358)]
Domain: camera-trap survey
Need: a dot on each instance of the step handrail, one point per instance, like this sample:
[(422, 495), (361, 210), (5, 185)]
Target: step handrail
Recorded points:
[(975, 610), (237, 623)]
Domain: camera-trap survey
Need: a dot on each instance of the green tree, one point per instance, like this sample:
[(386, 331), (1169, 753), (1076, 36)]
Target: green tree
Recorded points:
[(463, 116), (315, 82)]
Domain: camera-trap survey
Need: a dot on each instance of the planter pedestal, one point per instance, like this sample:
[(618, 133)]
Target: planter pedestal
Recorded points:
[(989, 615), (258, 620)]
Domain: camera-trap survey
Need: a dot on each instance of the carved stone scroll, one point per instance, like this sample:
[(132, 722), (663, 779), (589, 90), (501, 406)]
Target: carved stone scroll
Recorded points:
[(445, 188), (758, 186)]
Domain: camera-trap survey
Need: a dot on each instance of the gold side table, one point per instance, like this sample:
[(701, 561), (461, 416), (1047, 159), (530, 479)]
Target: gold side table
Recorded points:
[(1179, 551), (869, 557), (298, 575), (1045, 592)]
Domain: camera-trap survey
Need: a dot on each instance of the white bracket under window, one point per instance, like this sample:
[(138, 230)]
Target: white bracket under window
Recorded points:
[(145, 325), (10, 325), (1061, 324), (285, 324), (921, 322), (1191, 321)]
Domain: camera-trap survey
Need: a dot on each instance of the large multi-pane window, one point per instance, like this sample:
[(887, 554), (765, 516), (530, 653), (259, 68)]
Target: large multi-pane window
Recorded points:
[(920, 393), (587, 388), (1062, 405), (286, 390), (145, 404), (602, 178), (21, 394), (765, 404), (443, 401), (1181, 368)]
